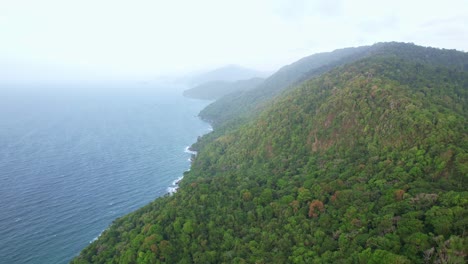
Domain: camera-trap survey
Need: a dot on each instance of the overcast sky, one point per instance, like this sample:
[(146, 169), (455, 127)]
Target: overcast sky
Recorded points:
[(142, 39)]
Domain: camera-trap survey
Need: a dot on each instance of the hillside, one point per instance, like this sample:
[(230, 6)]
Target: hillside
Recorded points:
[(216, 89), (244, 105), (365, 163)]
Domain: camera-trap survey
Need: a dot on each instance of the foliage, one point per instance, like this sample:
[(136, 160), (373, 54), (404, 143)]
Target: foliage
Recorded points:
[(366, 163), (242, 105)]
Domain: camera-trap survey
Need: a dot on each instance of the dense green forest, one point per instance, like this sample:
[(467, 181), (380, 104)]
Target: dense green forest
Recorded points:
[(365, 161), (215, 89), (243, 105)]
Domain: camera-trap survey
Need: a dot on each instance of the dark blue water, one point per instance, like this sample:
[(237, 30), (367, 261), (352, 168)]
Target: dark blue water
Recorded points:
[(72, 159)]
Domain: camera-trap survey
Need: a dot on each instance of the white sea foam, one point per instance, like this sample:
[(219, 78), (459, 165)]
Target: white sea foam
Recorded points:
[(189, 151), (172, 190), (175, 185), (176, 181), (96, 238)]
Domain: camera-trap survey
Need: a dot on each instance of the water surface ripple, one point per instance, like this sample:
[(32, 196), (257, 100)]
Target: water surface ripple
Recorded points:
[(72, 162)]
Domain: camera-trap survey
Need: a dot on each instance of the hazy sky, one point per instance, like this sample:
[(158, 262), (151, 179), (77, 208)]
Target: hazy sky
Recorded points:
[(141, 39)]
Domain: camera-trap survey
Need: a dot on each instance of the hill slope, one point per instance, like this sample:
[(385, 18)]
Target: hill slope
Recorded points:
[(216, 89), (246, 104), (367, 163)]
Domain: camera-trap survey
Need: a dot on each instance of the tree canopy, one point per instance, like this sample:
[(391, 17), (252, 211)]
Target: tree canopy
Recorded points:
[(366, 162)]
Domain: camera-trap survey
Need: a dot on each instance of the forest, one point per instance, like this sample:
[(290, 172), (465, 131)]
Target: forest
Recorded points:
[(354, 156)]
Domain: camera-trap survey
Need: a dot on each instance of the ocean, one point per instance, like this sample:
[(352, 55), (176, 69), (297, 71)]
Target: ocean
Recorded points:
[(73, 158)]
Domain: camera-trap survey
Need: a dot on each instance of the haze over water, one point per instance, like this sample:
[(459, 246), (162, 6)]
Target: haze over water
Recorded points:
[(74, 159)]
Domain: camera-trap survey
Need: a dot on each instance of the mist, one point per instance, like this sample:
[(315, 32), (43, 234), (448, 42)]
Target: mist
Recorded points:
[(87, 41)]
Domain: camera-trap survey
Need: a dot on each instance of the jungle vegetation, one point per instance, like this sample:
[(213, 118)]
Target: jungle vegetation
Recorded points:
[(363, 159)]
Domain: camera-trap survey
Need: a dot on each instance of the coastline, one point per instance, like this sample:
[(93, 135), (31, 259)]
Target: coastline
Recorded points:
[(175, 184), (188, 149)]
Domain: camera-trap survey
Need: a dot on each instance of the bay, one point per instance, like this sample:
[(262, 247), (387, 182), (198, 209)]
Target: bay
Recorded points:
[(74, 157)]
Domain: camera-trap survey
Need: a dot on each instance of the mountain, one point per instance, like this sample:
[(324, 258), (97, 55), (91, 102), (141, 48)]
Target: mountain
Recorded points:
[(229, 73), (216, 89), (367, 162), (242, 105)]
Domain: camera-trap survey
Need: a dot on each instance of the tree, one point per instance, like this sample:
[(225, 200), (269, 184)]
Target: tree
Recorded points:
[(315, 207)]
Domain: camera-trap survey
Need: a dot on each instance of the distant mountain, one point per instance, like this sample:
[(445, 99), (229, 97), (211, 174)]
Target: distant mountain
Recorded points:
[(229, 73), (216, 89)]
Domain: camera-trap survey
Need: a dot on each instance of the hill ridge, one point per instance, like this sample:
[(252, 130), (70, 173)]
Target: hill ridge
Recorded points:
[(245, 104)]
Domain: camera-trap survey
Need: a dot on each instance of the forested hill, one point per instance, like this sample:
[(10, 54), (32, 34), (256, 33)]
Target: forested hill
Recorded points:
[(365, 163), (246, 104), (229, 73), (216, 89)]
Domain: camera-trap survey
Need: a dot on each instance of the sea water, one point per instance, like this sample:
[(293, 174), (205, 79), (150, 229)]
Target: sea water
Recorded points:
[(75, 157)]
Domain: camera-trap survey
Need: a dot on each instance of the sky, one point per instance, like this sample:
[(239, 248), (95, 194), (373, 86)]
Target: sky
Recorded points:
[(144, 39)]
